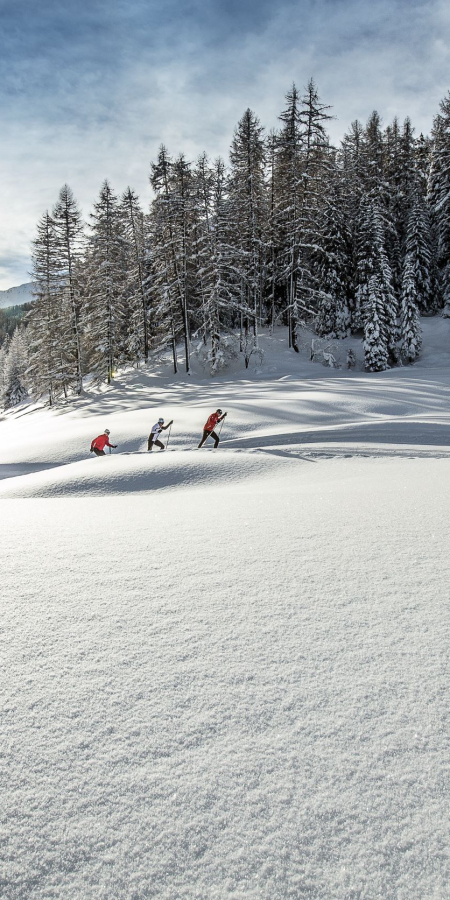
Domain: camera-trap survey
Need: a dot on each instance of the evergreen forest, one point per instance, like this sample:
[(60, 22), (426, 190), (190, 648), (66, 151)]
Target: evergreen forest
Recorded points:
[(352, 239)]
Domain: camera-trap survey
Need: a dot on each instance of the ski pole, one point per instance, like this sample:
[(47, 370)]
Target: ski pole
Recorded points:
[(168, 436), (221, 426)]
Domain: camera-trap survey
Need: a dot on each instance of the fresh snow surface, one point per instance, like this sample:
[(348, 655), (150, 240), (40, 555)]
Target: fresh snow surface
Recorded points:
[(225, 673), (16, 296)]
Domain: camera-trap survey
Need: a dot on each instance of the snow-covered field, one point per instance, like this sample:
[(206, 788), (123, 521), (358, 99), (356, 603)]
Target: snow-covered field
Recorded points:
[(225, 674)]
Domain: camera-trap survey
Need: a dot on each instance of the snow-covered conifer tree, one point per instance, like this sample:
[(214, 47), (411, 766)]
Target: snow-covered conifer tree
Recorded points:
[(3, 357), (418, 253), (374, 157), (386, 282), (410, 333), (333, 264), (317, 176), (439, 199), (289, 200), (104, 309), (49, 370), (375, 344), (69, 237), (202, 255), (374, 281), (182, 210), (396, 196), (248, 199), (422, 159), (171, 221), (271, 230), (14, 373), (303, 164), (137, 280), (214, 257), (364, 261), (351, 164)]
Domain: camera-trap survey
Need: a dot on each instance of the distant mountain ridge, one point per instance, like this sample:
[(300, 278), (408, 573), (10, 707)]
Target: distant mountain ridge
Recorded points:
[(17, 296)]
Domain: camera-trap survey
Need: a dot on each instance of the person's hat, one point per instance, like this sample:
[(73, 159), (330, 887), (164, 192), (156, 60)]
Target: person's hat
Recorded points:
[(161, 421), (219, 411), (107, 431)]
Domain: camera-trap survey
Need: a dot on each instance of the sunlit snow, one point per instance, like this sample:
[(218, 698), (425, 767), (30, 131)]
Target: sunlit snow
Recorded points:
[(225, 673)]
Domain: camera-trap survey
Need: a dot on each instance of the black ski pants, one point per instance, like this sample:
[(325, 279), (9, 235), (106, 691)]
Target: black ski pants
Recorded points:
[(99, 452), (156, 443), (206, 434)]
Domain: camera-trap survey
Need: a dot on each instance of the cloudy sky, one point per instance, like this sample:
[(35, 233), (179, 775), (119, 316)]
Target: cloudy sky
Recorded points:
[(89, 89)]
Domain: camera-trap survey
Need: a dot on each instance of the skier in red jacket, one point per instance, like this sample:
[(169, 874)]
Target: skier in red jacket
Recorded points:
[(208, 430), (99, 443)]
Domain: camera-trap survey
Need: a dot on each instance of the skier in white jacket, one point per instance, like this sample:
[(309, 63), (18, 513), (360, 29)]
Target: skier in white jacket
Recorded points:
[(155, 432)]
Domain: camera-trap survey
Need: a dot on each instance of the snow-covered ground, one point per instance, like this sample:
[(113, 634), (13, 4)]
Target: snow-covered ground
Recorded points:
[(16, 296), (225, 673)]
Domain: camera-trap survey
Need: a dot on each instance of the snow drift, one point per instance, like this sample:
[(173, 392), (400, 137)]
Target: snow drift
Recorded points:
[(225, 673)]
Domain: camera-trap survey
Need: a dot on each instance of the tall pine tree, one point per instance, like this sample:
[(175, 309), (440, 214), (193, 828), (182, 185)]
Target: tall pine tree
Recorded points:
[(69, 235), (104, 306)]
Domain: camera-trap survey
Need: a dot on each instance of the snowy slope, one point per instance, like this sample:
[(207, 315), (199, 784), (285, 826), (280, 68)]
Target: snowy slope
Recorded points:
[(288, 406), (16, 296), (225, 674)]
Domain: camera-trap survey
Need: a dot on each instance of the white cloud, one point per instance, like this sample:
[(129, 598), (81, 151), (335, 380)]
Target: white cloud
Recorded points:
[(187, 87)]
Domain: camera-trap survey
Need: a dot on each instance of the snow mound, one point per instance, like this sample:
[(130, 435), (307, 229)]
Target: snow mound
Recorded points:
[(239, 692), (136, 472), (225, 673)]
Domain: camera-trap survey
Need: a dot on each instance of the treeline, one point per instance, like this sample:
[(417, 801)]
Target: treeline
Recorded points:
[(10, 318), (354, 239)]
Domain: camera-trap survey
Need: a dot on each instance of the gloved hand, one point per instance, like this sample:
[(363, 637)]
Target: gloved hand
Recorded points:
[(114, 446)]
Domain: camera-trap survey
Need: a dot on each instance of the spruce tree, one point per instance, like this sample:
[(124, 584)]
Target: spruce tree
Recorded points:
[(138, 276), (213, 256), (410, 333), (171, 221), (351, 164), (289, 193), (422, 160), (48, 366), (248, 200), (3, 357), (376, 352), (303, 164), (15, 388), (384, 271), (365, 266), (418, 253), (182, 208), (333, 264), (271, 230), (69, 236), (439, 199), (104, 305), (374, 285), (317, 180), (374, 158), (397, 195)]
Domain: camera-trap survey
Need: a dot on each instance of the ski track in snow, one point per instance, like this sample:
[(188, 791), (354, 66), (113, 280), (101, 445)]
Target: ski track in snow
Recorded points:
[(225, 673)]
